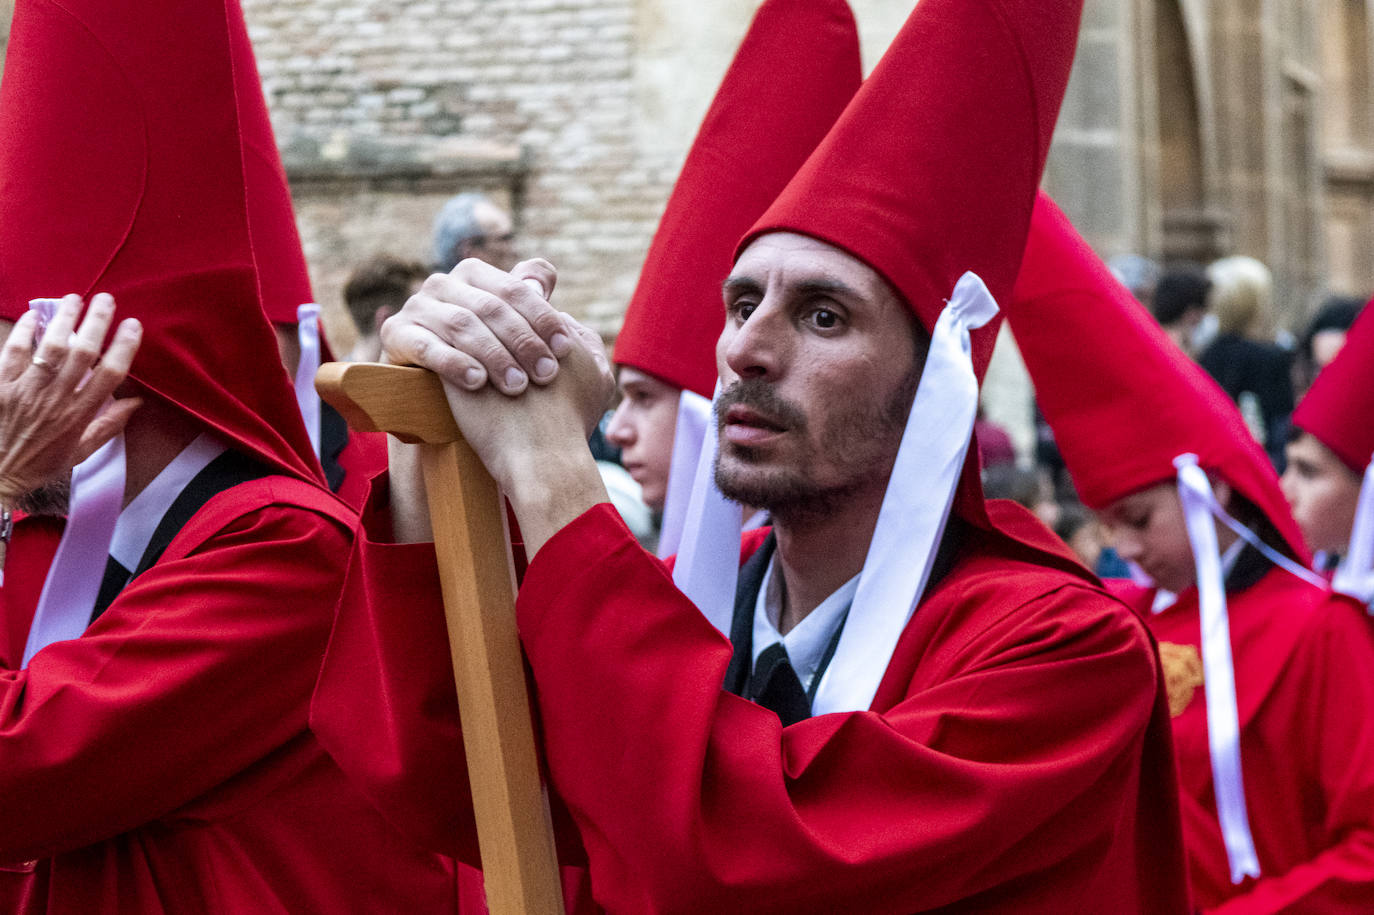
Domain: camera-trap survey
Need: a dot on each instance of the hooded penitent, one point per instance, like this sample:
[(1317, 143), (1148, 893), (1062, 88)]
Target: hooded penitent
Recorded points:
[(1339, 411), (1123, 401), (929, 177), (1129, 411), (136, 159), (791, 77)]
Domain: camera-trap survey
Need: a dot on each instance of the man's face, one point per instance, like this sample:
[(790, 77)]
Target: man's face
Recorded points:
[(1322, 492), (496, 243), (643, 428), (1147, 528), (820, 360)]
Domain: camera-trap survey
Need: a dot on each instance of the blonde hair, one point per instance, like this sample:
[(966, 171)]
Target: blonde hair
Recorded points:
[(1242, 295)]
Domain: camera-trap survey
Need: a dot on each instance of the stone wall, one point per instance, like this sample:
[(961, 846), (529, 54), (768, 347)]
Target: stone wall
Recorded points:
[(384, 108)]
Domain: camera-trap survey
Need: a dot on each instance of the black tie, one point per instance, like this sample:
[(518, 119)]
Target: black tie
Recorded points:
[(775, 686), (116, 577)]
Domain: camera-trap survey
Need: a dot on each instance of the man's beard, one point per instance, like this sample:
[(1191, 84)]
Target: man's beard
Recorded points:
[(865, 440), (52, 499)]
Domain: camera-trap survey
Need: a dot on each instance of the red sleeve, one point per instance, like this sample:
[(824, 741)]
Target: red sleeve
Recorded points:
[(1332, 708), (200, 668), (385, 706), (1008, 773)]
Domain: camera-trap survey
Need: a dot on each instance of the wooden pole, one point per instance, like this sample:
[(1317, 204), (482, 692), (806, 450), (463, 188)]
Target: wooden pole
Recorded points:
[(519, 864)]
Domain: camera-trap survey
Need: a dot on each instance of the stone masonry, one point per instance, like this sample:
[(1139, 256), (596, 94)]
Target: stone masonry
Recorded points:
[(385, 108)]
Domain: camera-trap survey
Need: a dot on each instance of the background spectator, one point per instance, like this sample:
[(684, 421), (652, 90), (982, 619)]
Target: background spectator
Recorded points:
[(1324, 337), (374, 292), (1254, 372), (1180, 301), (470, 225)]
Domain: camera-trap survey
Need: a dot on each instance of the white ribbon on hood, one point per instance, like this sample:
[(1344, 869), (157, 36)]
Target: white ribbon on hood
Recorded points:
[(78, 566), (97, 494), (308, 334), (1355, 574), (693, 416), (1218, 671), (707, 565), (915, 507)]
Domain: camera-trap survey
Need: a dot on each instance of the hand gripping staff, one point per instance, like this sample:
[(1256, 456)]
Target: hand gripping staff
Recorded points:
[(514, 831)]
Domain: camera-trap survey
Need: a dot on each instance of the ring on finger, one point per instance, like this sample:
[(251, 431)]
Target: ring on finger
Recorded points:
[(41, 362)]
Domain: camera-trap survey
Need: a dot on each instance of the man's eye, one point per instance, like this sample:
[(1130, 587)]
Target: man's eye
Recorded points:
[(744, 309), (824, 318)]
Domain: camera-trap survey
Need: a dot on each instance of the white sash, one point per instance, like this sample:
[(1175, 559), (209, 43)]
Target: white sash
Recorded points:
[(707, 565), (308, 334), (915, 508), (693, 416), (1355, 574), (1219, 680)]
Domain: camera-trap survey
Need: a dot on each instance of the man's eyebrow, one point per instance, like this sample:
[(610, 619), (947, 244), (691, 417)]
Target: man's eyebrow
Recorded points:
[(740, 284), (827, 287)]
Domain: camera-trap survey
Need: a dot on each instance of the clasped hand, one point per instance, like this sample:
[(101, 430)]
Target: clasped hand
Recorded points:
[(488, 334)]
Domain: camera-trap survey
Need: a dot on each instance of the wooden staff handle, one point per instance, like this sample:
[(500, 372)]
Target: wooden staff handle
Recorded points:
[(514, 832)]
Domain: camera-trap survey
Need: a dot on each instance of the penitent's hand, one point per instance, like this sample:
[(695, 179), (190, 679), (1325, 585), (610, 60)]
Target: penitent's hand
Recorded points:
[(479, 323), (51, 398), (535, 444)]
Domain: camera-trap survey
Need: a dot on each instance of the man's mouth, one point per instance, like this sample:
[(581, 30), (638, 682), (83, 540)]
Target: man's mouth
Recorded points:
[(747, 426), (740, 415)]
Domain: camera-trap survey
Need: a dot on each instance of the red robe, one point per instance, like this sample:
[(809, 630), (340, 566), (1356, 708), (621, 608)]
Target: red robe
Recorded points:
[(361, 459), (1305, 694), (162, 761), (1016, 758)]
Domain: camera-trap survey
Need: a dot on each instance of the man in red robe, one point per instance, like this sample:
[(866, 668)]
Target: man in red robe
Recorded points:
[(922, 703), (1271, 724), (153, 730)]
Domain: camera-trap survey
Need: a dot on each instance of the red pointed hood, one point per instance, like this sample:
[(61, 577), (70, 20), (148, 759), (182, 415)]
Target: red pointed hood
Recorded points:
[(933, 167), (796, 69), (283, 281), (1339, 407), (134, 160), (1122, 399)]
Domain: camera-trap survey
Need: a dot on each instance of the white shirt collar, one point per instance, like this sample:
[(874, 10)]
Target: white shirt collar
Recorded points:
[(140, 518), (806, 644)]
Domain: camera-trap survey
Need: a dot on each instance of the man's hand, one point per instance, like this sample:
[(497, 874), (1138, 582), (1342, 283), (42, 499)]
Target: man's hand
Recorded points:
[(51, 398), (520, 438), (479, 323)]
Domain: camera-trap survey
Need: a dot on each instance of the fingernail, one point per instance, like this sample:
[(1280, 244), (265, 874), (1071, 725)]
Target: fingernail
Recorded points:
[(560, 344), (514, 378), (472, 377), (544, 369)]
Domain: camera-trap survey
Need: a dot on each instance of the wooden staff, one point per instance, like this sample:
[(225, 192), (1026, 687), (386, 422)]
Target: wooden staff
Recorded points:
[(514, 832)]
